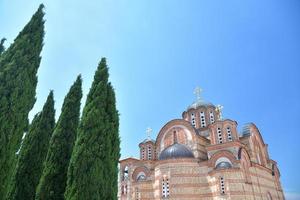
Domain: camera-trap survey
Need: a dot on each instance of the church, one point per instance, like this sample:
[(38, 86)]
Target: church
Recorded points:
[(201, 156)]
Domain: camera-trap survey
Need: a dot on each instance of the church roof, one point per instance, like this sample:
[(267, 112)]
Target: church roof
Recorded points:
[(176, 151)]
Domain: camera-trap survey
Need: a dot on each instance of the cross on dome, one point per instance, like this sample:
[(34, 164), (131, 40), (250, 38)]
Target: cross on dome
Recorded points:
[(197, 92)]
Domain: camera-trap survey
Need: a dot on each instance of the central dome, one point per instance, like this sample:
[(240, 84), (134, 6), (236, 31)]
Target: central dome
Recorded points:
[(176, 151), (199, 103)]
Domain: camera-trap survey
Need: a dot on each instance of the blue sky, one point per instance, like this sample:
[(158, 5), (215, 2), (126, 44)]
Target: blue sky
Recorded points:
[(244, 54)]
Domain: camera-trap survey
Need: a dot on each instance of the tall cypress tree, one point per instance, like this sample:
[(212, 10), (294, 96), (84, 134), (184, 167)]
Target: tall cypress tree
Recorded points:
[(32, 154), (54, 178), (18, 80), (2, 45), (89, 173), (114, 143)]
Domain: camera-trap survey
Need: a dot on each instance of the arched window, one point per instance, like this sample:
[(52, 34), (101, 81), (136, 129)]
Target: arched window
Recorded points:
[(211, 117), (141, 176), (165, 187), (223, 163), (193, 119), (222, 185), (229, 136), (220, 138), (202, 119)]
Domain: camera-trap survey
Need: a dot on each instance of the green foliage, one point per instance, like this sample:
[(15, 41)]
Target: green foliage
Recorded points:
[(2, 45), (114, 143), (54, 178), (92, 172), (18, 68), (33, 153)]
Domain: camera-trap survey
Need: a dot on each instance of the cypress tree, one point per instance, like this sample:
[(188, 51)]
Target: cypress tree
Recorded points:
[(114, 144), (32, 154), (18, 80), (89, 173), (54, 177), (2, 45)]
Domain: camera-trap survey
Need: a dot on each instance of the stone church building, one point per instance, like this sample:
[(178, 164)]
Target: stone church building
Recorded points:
[(201, 156)]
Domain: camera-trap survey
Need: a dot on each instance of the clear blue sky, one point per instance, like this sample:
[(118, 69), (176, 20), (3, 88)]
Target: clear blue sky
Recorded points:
[(244, 54)]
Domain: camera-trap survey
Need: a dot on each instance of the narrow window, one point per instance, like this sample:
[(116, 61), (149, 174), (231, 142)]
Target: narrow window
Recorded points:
[(143, 153), (193, 120), (149, 153), (125, 173), (220, 138), (124, 189), (211, 116), (165, 188), (202, 119), (222, 185), (229, 136), (137, 194)]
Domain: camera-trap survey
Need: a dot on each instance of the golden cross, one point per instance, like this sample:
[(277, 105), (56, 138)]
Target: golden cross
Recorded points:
[(219, 109)]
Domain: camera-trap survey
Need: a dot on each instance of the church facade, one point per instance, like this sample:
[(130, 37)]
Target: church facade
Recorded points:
[(201, 156)]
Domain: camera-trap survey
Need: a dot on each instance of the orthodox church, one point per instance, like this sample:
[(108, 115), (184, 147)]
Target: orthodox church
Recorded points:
[(201, 156)]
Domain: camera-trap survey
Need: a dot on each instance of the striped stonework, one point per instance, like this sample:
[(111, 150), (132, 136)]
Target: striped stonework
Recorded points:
[(237, 168)]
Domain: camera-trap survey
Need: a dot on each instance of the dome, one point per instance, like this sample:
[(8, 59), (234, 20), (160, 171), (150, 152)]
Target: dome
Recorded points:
[(199, 103), (148, 140), (223, 165), (176, 151)]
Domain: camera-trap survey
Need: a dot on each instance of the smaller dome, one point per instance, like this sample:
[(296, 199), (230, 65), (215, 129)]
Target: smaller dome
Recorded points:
[(148, 140), (176, 151), (223, 165)]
